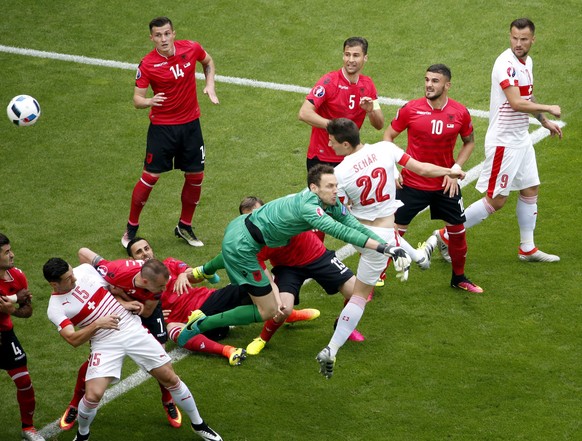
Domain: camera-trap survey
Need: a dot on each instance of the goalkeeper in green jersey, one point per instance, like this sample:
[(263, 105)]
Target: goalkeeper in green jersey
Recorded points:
[(273, 225)]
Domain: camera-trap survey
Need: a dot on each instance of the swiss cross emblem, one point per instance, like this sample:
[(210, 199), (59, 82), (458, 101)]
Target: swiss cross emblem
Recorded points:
[(91, 305)]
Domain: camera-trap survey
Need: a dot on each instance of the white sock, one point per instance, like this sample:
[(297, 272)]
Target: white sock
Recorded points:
[(347, 322), (184, 398), (527, 213), (477, 212), (87, 412)]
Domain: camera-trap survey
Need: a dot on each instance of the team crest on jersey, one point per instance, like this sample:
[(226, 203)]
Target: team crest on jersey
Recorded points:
[(138, 74), (102, 270), (511, 72), (319, 91), (319, 211), (257, 276)]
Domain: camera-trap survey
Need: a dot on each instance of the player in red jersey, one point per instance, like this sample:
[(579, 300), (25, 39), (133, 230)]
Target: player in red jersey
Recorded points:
[(16, 300), (82, 309), (510, 161), (434, 123), (174, 137), (344, 93)]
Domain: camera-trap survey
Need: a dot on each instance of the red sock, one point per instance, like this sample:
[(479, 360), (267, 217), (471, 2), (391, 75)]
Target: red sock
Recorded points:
[(200, 343), (166, 395), (190, 196), (80, 385), (269, 328), (457, 248), (140, 195), (24, 394)]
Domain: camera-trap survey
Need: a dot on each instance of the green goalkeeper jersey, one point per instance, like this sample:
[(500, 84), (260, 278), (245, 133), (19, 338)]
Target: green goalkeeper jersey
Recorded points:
[(283, 218)]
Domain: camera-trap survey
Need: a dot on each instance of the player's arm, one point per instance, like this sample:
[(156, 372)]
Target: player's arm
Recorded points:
[(88, 256), (550, 125), (373, 112), (519, 104), (141, 102), (390, 134), (209, 73), (432, 171), (308, 115), (451, 185), (78, 337)]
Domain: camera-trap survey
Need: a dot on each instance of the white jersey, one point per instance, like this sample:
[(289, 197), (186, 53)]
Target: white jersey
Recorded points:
[(89, 300), (508, 128), (366, 177)]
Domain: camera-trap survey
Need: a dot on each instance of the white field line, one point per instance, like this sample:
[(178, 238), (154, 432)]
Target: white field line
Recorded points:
[(139, 377)]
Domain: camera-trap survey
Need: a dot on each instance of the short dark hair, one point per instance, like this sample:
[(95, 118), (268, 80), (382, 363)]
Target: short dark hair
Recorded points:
[(314, 174), (54, 269), (153, 268), (441, 69), (132, 242), (248, 203), (522, 23), (344, 129), (357, 41), (4, 240), (158, 22)]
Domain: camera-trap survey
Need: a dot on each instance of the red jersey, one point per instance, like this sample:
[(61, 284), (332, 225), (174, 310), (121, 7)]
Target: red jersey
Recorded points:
[(121, 274), (14, 282), (301, 250), (174, 76), (335, 97), (181, 305), (432, 135)]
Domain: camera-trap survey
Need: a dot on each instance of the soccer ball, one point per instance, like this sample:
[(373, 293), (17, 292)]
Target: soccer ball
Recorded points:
[(23, 110)]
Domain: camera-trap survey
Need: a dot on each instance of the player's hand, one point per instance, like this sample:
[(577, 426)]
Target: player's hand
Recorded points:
[(553, 128), (182, 284), (108, 322), (555, 110), (6, 306), (158, 99), (451, 186), (211, 95), (367, 104), (134, 307), (401, 261)]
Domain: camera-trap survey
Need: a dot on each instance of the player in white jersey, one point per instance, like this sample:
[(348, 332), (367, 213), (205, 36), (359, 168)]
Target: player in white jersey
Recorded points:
[(510, 162), (81, 300), (366, 180)]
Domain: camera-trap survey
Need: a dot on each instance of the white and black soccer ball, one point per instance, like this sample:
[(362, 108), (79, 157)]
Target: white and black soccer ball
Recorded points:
[(23, 110)]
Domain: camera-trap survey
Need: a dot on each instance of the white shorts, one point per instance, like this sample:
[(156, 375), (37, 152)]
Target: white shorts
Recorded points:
[(508, 169), (107, 355), (372, 263)]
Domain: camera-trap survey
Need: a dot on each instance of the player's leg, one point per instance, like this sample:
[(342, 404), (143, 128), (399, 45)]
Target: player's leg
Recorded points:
[(190, 159), (156, 162), (94, 390), (13, 359), (527, 181), (370, 266), (181, 394), (68, 419), (201, 343)]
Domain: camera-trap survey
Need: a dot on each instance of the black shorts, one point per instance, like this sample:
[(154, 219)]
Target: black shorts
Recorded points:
[(224, 299), (175, 146), (328, 271), (12, 354), (315, 160), (156, 324), (449, 209)]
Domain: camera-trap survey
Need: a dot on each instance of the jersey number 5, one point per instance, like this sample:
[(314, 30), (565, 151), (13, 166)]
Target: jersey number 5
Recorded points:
[(367, 183)]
